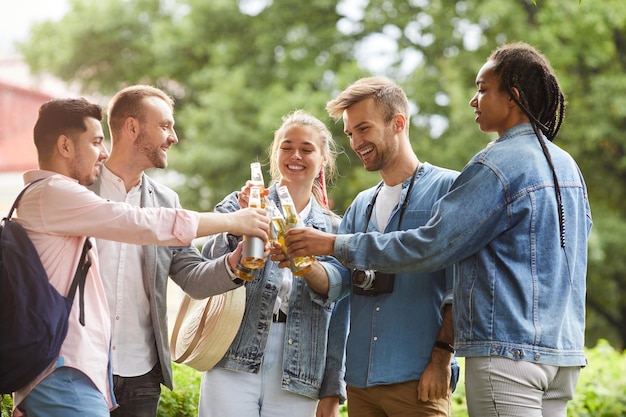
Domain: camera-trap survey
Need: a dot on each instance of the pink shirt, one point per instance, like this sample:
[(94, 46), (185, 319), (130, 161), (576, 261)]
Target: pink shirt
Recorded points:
[(58, 213)]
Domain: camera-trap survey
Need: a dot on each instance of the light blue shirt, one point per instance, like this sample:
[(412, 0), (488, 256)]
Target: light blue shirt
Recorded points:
[(392, 335), (518, 293)]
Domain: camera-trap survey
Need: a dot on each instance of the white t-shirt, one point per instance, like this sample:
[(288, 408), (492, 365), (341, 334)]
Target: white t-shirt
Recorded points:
[(388, 197)]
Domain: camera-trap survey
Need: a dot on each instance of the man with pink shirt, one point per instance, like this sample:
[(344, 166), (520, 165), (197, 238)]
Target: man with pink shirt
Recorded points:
[(58, 213)]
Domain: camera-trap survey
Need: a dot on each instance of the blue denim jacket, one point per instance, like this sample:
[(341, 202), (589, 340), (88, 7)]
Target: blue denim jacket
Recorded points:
[(517, 294), (392, 335), (316, 333)]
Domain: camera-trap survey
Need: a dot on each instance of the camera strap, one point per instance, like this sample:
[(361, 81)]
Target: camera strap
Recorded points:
[(405, 203)]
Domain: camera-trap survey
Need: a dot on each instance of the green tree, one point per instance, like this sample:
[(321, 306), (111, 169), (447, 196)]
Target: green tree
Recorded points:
[(586, 45), (234, 74), (236, 67)]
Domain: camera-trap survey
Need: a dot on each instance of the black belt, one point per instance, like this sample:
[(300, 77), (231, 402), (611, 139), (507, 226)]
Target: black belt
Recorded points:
[(280, 317)]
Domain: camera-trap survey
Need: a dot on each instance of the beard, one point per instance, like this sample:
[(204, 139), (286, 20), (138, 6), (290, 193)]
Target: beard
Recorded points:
[(144, 146), (83, 167), (84, 174)]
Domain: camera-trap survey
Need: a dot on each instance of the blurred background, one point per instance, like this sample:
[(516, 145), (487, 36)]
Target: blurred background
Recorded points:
[(236, 67)]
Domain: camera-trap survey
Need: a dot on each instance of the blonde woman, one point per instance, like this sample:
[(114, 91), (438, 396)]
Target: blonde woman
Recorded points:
[(287, 358)]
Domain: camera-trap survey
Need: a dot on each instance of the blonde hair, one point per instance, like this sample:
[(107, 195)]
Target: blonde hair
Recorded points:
[(387, 95), (329, 150)]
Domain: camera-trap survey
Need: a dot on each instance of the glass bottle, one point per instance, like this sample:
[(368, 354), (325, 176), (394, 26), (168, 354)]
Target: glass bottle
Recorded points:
[(253, 247), (244, 273), (302, 264), (256, 177), (278, 227)]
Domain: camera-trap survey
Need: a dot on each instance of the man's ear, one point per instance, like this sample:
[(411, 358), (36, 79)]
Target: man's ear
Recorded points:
[(65, 146), (399, 122), (131, 126)]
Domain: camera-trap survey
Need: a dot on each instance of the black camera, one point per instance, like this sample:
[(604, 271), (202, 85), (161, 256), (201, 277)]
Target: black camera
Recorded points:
[(372, 282)]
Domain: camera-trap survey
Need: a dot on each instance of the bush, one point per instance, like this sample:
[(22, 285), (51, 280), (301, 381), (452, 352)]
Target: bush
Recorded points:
[(6, 406), (601, 390), (183, 401)]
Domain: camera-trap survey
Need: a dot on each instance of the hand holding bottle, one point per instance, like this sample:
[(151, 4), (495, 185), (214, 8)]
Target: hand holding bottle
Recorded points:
[(256, 179), (307, 240), (253, 251), (244, 194), (253, 247), (300, 265), (249, 221)]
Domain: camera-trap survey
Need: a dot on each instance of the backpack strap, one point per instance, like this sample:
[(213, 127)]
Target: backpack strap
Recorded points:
[(19, 197), (80, 276)]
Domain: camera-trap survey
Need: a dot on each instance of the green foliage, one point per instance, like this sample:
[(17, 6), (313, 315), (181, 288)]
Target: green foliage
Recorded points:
[(235, 72), (601, 389), (5, 406), (183, 401)]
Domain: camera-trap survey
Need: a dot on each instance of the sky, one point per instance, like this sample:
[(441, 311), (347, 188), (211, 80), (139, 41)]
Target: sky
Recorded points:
[(16, 17)]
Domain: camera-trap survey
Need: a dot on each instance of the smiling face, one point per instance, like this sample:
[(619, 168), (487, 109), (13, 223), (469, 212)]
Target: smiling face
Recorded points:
[(156, 133), (495, 110), (89, 153), (371, 138), (299, 155)]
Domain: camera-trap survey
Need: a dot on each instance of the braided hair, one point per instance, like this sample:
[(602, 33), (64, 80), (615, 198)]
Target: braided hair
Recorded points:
[(523, 68)]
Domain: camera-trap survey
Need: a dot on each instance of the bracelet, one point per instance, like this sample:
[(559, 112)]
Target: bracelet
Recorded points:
[(445, 346)]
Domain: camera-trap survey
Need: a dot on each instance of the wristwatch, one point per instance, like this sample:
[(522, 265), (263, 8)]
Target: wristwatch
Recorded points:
[(445, 346), (231, 273)]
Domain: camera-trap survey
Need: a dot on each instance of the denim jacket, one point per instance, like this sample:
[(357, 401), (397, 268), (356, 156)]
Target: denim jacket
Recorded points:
[(518, 293), (316, 332), (392, 335)]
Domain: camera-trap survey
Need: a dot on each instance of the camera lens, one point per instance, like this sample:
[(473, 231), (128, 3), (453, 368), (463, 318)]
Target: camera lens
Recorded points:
[(363, 279)]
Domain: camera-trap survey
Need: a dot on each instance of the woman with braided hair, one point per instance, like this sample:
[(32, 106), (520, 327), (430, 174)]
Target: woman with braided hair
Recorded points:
[(527, 360), (516, 223)]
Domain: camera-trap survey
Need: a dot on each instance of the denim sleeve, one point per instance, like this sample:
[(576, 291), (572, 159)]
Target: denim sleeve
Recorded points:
[(464, 220), (337, 277), (333, 384), (448, 295)]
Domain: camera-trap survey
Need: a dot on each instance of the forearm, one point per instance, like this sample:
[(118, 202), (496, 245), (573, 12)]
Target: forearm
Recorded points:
[(444, 337), (200, 278), (446, 332), (317, 279), (435, 380), (213, 223), (248, 221)]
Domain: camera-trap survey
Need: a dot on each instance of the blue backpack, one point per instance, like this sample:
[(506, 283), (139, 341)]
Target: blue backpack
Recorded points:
[(33, 315)]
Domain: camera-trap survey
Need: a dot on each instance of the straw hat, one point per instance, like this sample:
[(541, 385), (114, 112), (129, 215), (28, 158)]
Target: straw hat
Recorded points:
[(204, 329)]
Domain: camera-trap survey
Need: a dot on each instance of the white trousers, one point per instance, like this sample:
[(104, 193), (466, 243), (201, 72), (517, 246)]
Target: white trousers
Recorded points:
[(226, 393), (501, 387)]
